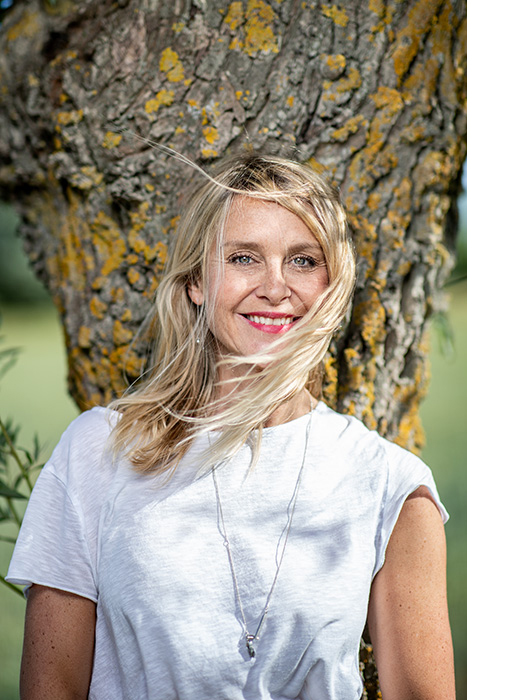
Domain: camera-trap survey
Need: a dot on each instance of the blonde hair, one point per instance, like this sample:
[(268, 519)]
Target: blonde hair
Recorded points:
[(175, 401)]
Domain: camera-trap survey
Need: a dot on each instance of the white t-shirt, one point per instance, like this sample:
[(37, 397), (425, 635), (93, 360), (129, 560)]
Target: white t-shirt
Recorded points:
[(151, 554)]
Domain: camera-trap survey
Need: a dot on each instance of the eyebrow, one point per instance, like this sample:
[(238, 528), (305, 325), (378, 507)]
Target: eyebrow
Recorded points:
[(293, 249)]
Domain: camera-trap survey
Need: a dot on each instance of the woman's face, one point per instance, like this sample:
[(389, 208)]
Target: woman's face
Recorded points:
[(273, 270)]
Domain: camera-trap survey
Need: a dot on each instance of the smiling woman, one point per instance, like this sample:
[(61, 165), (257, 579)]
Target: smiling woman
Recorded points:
[(264, 277), (219, 531)]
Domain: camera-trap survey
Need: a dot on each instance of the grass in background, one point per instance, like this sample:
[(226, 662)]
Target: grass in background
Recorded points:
[(34, 394), (444, 415)]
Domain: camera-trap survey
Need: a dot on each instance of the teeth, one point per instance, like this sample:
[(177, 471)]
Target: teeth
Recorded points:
[(265, 321)]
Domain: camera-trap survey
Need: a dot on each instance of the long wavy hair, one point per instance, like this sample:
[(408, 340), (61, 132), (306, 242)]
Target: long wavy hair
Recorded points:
[(176, 401)]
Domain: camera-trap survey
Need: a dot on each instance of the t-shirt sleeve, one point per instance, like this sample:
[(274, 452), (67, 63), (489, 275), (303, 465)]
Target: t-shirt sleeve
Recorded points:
[(57, 543), (51, 549), (405, 474)]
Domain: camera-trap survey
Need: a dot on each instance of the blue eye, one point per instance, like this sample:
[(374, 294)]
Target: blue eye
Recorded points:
[(303, 261), (241, 259)]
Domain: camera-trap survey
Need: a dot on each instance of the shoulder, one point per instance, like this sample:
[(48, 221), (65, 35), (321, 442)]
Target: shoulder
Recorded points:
[(353, 437), (373, 457), (84, 446)]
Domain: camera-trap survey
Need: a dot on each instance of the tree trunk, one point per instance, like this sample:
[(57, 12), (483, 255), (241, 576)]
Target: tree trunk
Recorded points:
[(370, 93)]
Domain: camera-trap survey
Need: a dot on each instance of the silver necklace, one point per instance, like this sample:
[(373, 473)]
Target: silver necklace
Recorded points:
[(252, 638)]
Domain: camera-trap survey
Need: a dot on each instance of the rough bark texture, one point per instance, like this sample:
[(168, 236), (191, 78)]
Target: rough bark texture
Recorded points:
[(370, 93)]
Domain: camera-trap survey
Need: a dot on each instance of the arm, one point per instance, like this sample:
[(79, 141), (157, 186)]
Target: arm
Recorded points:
[(58, 645), (407, 616)]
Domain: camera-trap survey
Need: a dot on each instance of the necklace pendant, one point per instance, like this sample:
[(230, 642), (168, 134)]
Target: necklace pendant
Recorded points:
[(249, 645)]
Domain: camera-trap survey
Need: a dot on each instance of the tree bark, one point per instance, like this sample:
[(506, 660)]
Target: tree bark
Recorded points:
[(373, 94)]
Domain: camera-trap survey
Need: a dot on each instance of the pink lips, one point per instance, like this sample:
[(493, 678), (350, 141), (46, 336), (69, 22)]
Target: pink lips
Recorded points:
[(269, 322)]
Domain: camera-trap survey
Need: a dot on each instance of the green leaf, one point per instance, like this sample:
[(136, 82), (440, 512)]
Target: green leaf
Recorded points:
[(7, 492)]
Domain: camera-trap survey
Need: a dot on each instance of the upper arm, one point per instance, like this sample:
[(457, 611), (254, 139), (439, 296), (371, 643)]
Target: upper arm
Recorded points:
[(58, 645), (408, 617)]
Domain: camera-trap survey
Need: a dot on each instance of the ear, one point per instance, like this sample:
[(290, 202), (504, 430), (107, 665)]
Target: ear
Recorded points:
[(195, 292)]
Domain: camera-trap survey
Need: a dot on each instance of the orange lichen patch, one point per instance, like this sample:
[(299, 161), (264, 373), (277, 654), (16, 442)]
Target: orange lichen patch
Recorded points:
[(365, 239), (378, 7), (173, 223), (290, 100), (349, 127), (160, 255), (98, 308), (330, 378), (121, 361), (111, 140), (373, 201), (140, 217), (235, 15), (73, 263), (336, 14), (28, 26), (164, 98), (84, 337), (171, 64), (334, 89), (152, 286), (121, 335), (117, 295), (67, 118), (209, 153), (133, 276), (335, 61), (87, 178), (410, 395), (256, 21), (402, 197), (421, 82), (211, 134), (108, 243), (370, 317), (435, 169), (407, 41), (355, 369), (388, 99), (375, 159), (360, 382), (84, 372)]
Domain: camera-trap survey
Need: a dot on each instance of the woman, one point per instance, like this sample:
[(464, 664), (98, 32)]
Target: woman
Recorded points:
[(219, 532)]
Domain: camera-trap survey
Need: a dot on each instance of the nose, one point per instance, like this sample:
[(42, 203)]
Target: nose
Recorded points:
[(273, 285)]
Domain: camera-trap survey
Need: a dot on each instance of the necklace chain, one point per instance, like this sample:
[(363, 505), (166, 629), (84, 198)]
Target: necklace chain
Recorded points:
[(251, 638)]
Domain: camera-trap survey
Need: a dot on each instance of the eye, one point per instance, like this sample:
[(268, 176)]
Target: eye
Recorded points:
[(303, 261), (240, 259)]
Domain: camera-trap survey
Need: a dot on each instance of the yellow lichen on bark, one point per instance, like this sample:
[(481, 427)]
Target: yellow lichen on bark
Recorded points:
[(111, 140), (351, 126), (407, 41), (337, 14), (28, 26), (164, 98), (235, 16), (121, 335), (73, 262), (171, 65), (108, 243), (256, 23)]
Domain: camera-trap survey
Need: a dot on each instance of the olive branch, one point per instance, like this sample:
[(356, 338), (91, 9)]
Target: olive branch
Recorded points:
[(19, 468)]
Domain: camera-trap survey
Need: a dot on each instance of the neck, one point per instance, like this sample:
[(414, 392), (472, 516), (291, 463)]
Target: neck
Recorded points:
[(298, 405)]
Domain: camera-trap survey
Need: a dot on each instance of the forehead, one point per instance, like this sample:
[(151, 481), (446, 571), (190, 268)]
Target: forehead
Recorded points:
[(250, 218)]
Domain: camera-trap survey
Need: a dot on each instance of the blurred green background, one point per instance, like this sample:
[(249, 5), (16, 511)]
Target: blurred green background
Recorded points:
[(33, 393)]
